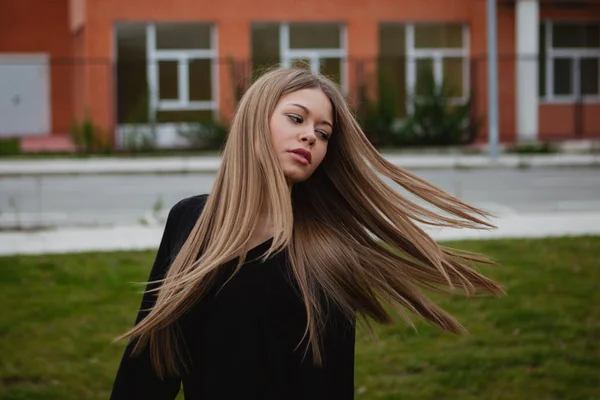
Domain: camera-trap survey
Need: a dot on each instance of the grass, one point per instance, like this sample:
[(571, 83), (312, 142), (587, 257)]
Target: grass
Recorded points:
[(534, 148), (541, 341)]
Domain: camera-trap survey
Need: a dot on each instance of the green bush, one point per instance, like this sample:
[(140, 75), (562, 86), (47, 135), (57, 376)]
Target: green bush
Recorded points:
[(139, 138), (88, 137), (204, 134), (10, 147), (377, 117), (437, 119), (533, 148)]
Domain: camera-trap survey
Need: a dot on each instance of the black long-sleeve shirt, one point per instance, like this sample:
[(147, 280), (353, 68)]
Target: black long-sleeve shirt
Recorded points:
[(242, 339)]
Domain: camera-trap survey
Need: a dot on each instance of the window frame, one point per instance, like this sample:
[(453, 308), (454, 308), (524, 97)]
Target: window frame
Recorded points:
[(183, 57), (437, 55), (573, 54), (287, 55)]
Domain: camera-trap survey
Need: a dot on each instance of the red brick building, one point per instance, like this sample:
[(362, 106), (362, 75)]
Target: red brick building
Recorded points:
[(127, 62)]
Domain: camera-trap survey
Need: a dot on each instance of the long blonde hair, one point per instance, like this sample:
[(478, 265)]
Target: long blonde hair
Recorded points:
[(352, 239)]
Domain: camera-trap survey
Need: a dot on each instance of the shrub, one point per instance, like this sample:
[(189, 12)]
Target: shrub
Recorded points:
[(204, 134), (139, 138), (533, 148), (377, 117), (437, 118), (88, 137), (10, 147)]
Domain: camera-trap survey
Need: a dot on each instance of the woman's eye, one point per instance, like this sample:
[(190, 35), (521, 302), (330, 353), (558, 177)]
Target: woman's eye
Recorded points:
[(324, 135), (299, 120), (296, 119)]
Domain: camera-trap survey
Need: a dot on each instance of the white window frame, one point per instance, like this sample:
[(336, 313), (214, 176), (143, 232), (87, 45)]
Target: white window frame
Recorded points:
[(437, 55), (288, 55), (575, 55), (183, 57)]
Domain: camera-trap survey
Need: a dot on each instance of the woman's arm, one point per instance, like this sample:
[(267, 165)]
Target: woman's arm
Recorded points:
[(136, 378), (338, 343), (335, 379)]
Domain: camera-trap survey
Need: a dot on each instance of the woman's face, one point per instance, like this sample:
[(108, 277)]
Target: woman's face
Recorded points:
[(301, 126)]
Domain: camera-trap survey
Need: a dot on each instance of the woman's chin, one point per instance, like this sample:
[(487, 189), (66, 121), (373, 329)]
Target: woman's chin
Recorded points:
[(296, 176)]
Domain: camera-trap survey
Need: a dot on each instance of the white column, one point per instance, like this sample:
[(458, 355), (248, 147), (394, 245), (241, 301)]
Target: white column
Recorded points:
[(527, 34)]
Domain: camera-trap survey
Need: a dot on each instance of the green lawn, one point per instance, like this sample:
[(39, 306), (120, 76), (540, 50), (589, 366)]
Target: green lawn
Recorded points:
[(541, 341)]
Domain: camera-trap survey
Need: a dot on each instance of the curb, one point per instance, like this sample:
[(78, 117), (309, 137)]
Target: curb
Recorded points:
[(182, 165)]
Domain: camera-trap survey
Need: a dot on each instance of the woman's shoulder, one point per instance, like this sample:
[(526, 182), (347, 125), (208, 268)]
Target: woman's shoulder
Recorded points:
[(184, 214), (189, 206)]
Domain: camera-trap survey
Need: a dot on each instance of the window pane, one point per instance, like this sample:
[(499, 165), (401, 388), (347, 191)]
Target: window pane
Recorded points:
[(573, 35), (200, 80), (588, 78), (563, 76), (392, 65), (132, 78), (453, 75), (315, 36), (393, 78), (542, 61), (182, 36), (392, 40), (168, 80), (438, 36), (425, 77), (184, 116), (332, 68), (265, 47)]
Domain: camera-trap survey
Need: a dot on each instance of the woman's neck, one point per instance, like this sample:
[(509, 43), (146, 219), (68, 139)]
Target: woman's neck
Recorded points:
[(263, 230)]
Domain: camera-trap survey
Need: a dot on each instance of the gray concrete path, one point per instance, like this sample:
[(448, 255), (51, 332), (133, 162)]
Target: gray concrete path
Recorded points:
[(571, 206), (70, 240), (150, 165), (83, 201)]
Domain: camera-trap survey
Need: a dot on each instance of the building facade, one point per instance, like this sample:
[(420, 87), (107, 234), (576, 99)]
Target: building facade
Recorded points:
[(125, 63)]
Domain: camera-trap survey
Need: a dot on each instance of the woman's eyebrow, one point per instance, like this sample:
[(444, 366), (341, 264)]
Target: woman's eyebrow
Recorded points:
[(308, 112)]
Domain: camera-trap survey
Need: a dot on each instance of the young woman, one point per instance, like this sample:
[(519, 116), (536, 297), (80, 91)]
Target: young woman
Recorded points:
[(256, 288)]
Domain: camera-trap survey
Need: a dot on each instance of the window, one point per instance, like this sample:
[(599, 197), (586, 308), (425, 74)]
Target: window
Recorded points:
[(392, 63), (569, 61), (132, 76), (319, 47), (166, 72), (411, 53)]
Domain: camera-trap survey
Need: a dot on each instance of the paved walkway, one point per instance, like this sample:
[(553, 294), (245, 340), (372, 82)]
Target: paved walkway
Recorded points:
[(70, 240), (66, 240), (148, 165)]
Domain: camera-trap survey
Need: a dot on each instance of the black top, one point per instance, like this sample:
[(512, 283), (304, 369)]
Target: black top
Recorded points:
[(242, 340)]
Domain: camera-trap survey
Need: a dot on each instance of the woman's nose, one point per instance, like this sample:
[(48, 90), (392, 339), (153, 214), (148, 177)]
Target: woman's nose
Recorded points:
[(310, 138), (308, 135)]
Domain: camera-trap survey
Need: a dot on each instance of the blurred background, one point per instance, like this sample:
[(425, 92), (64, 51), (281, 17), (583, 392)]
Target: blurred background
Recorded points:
[(110, 76), (112, 111)]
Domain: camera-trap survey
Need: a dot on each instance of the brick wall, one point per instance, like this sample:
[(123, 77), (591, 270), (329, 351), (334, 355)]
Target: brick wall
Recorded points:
[(34, 26)]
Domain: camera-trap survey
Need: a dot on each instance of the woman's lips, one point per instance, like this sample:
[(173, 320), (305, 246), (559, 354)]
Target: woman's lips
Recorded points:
[(302, 155), (301, 159)]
